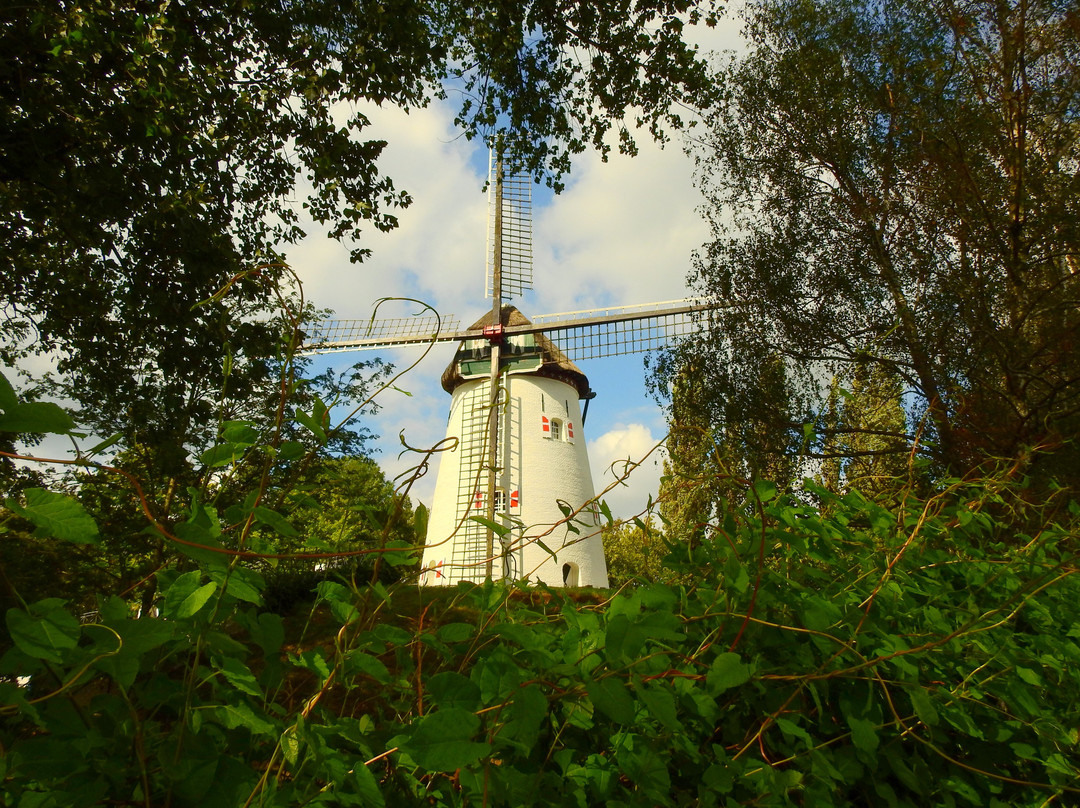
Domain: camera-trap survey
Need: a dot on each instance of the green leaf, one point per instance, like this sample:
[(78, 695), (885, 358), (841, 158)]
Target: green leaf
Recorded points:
[(442, 741), (727, 671), (358, 661), (237, 674), (924, 707), (1029, 676), (398, 552), (196, 532), (368, 786), (495, 527), (237, 716), (224, 454), (239, 432), (606, 511), (863, 733), (57, 516), (497, 674), (39, 417), (524, 717), (313, 425), (112, 440), (240, 582), (291, 450), (612, 697), (660, 703), (45, 631), (290, 745), (274, 521), (178, 595), (765, 490), (456, 632), (626, 635), (8, 399), (196, 600), (451, 689)]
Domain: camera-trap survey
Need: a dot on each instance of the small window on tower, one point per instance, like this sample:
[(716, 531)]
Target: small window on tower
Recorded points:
[(556, 429), (500, 501)]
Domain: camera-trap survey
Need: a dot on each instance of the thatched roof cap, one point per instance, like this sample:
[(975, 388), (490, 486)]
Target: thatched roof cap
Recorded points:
[(555, 364)]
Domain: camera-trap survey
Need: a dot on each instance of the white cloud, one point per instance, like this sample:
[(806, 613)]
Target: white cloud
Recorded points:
[(627, 448)]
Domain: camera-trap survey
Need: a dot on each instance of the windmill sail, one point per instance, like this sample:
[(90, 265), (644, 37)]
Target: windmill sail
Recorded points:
[(509, 251)]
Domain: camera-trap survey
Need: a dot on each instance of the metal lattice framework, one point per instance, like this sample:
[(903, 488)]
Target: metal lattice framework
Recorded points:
[(595, 333), (584, 334), (333, 336), (509, 238)]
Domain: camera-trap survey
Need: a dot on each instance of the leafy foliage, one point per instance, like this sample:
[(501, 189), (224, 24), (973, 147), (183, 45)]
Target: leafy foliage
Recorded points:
[(922, 654)]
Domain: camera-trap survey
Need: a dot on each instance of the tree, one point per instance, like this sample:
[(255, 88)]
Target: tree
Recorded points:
[(866, 447), (152, 156), (893, 190), (713, 445), (349, 504), (634, 553)]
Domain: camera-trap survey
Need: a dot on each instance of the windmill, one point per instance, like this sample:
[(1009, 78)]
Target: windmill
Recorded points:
[(519, 459)]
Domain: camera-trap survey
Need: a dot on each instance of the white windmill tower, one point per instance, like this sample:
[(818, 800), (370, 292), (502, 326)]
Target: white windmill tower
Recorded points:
[(514, 496)]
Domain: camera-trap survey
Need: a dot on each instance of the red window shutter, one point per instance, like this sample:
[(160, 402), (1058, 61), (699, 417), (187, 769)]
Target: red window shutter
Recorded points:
[(545, 425), (479, 497), (514, 499), (569, 430)]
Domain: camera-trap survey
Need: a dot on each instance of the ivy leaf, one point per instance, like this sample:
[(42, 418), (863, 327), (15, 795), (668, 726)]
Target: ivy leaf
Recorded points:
[(45, 631), (442, 741), (56, 515), (8, 399), (727, 671), (451, 689), (236, 716), (274, 521), (524, 717), (661, 705), (224, 454), (863, 734), (36, 417), (612, 697)]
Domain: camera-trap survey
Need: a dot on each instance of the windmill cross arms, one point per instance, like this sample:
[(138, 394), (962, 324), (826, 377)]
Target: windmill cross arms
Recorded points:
[(585, 334)]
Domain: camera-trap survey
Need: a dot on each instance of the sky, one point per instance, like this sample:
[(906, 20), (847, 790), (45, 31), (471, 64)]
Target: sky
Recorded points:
[(621, 233)]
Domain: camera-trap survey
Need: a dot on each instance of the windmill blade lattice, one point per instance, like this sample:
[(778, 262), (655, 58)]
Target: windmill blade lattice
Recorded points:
[(595, 333), (509, 240), (335, 336)]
